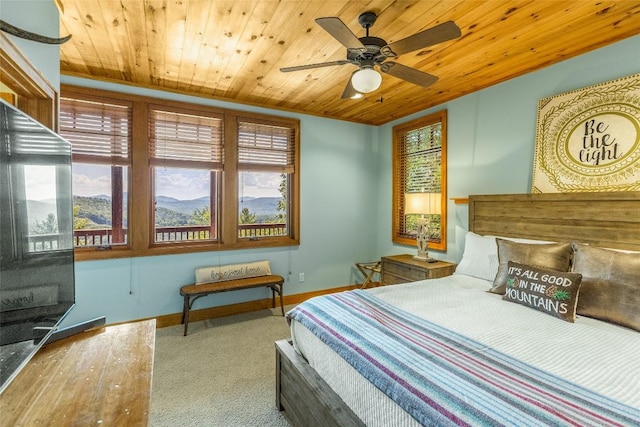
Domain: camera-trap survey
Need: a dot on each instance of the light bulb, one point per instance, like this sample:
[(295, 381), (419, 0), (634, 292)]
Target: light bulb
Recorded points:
[(366, 80)]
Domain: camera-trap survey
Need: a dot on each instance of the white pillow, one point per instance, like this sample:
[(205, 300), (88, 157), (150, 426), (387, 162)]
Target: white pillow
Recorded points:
[(480, 257)]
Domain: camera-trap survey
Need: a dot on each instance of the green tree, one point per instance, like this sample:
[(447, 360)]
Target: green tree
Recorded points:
[(47, 226), (281, 216), (201, 216), (79, 223), (282, 204), (247, 217), (168, 218)]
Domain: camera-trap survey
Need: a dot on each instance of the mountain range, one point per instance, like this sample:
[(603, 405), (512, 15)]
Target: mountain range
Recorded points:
[(169, 210), (259, 206)]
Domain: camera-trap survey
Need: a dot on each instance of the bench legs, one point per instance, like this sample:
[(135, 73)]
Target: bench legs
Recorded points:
[(188, 302), (185, 314), (277, 287)]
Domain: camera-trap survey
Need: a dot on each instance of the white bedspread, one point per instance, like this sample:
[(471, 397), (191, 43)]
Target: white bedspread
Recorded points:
[(597, 355)]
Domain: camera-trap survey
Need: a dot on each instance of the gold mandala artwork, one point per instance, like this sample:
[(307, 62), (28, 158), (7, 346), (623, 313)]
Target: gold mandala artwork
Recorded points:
[(589, 139)]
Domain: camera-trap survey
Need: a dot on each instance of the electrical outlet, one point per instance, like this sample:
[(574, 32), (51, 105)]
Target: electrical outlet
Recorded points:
[(301, 277)]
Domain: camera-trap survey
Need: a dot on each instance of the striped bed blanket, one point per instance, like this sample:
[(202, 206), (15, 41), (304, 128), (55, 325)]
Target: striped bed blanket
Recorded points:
[(442, 378)]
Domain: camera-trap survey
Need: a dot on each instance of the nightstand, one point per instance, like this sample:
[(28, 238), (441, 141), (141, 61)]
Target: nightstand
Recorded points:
[(403, 269)]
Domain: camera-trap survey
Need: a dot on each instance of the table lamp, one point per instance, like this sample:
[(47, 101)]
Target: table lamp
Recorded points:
[(423, 204)]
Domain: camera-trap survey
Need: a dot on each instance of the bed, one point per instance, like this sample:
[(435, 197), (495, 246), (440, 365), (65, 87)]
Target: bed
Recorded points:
[(473, 357)]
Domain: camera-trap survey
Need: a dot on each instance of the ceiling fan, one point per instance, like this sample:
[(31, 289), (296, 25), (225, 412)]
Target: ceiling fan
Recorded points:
[(369, 52)]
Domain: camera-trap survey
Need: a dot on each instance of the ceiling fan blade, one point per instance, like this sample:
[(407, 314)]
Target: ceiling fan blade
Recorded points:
[(349, 90), (310, 66), (341, 32), (434, 35), (409, 74)]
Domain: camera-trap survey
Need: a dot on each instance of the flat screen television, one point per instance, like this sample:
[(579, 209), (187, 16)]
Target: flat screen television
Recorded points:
[(36, 237)]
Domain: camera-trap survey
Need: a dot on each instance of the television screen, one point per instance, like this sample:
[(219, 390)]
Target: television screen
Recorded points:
[(36, 237)]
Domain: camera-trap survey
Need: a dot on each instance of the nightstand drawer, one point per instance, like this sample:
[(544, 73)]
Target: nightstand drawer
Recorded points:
[(442, 271), (404, 268), (410, 274), (390, 279)]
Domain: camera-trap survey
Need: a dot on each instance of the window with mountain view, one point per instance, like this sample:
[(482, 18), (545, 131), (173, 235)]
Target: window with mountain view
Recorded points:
[(266, 163), (154, 176), (185, 149), (100, 136), (420, 166)]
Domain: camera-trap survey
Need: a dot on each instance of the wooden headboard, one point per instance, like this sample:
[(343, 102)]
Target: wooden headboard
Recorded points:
[(610, 220)]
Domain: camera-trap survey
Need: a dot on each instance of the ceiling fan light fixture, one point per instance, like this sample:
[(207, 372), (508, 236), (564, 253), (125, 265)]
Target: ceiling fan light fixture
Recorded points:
[(366, 80)]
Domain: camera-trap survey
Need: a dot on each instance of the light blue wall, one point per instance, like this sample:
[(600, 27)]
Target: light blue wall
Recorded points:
[(338, 188), (491, 137), (41, 17)]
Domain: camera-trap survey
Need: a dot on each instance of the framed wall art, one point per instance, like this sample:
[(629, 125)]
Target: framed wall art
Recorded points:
[(589, 139)]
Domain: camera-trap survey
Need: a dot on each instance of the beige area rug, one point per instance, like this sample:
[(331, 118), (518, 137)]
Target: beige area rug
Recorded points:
[(221, 374)]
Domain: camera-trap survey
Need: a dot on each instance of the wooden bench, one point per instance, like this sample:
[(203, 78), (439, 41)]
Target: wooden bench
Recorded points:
[(193, 292)]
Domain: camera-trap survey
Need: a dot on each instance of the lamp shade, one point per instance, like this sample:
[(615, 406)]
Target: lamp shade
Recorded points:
[(366, 80), (422, 203)]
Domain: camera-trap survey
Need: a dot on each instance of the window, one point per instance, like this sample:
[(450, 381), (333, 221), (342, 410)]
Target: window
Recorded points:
[(100, 136), (194, 178), (266, 166), (420, 166), (185, 149)]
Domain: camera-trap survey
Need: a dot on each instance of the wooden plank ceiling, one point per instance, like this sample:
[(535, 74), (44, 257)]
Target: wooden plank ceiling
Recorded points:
[(233, 50)]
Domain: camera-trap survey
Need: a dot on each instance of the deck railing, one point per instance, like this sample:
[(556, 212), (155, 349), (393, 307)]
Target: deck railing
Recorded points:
[(104, 236), (261, 230), (44, 242), (189, 233), (94, 237)]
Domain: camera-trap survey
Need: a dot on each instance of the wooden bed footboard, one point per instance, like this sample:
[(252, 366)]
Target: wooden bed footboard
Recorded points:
[(305, 397)]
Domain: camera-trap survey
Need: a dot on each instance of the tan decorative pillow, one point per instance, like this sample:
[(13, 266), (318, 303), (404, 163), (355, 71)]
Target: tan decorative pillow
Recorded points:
[(550, 291), (221, 273), (554, 256), (610, 285)]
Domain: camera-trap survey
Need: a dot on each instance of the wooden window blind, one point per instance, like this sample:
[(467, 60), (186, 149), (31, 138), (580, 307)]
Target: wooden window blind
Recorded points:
[(99, 132), (421, 156), (266, 147), (419, 166), (185, 140)]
